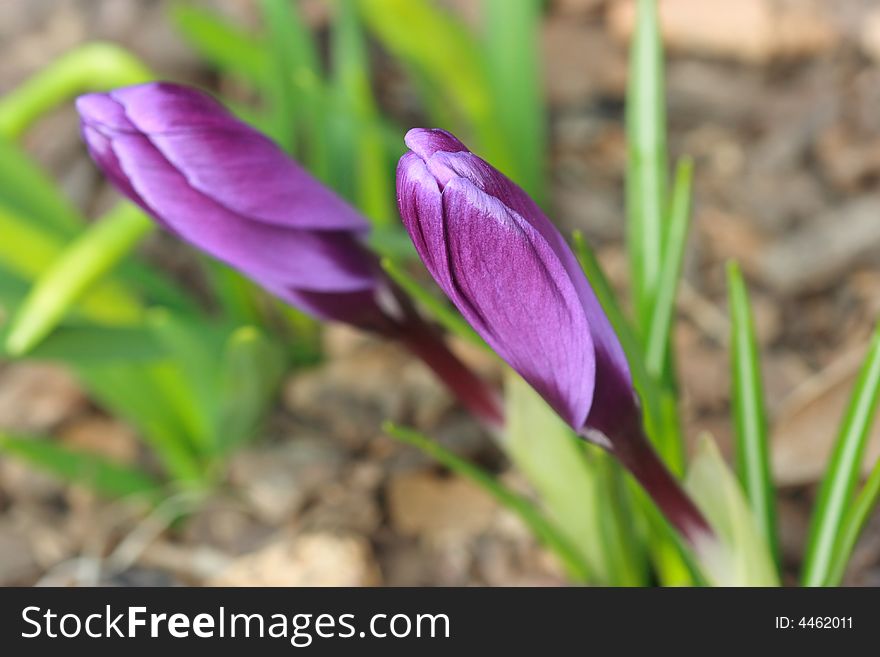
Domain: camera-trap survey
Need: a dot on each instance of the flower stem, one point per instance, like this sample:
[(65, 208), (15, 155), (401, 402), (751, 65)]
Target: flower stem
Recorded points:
[(629, 444)]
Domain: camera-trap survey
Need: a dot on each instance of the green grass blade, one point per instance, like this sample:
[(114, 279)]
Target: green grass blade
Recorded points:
[(252, 369), (605, 293), (76, 270), (658, 341), (749, 414), (839, 483), (513, 65), (741, 556), (659, 405), (855, 522), (190, 386), (295, 86), (27, 191), (92, 67), (223, 44), (26, 250), (90, 344), (543, 529), (236, 294), (647, 160), (567, 482), (139, 394), (448, 61), (358, 133), (90, 470), (438, 309)]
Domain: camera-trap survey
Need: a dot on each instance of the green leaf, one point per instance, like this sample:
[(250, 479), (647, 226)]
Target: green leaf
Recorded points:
[(252, 369), (448, 61), (222, 43), (855, 522), (94, 66), (438, 309), (77, 269), (94, 345), (239, 297), (26, 250), (741, 556), (295, 85), (190, 386), (26, 191), (658, 341), (358, 136), (659, 405), (90, 470), (839, 483), (543, 529), (646, 161), (139, 394), (750, 416), (551, 457), (512, 31)]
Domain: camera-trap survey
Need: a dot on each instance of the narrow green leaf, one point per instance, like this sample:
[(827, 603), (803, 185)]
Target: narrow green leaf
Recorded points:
[(543, 529), (252, 369), (239, 297), (26, 191), (856, 519), (190, 386), (658, 341), (741, 556), (146, 396), (449, 63), (659, 406), (750, 416), (26, 250), (295, 86), (840, 480), (647, 160), (557, 467), (88, 259), (358, 134), (439, 310), (94, 66), (513, 62), (607, 298), (90, 344), (89, 470), (223, 44)]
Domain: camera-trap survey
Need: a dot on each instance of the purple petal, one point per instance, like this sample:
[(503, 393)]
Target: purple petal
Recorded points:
[(321, 261), (519, 298), (425, 142), (420, 203), (611, 364), (221, 156)]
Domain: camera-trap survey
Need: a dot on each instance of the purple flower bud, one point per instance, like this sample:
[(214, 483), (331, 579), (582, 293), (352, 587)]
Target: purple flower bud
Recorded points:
[(511, 274), (230, 191), (513, 277)]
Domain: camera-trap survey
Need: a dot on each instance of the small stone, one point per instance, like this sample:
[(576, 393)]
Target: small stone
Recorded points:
[(870, 35), (17, 565), (428, 505), (277, 480), (315, 559), (35, 397), (754, 31), (103, 436)]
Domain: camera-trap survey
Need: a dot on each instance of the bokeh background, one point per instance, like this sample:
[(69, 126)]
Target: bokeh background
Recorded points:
[(778, 101)]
